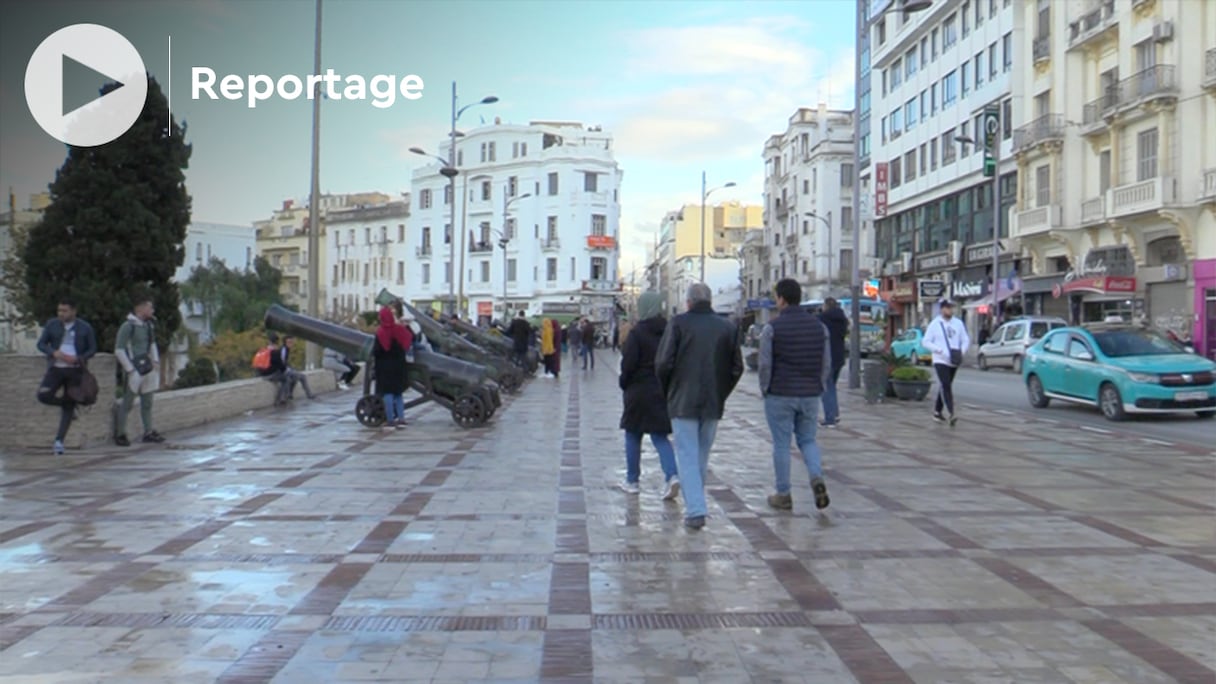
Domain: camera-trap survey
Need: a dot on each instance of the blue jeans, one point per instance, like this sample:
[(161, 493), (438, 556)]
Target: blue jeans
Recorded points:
[(831, 406), (394, 407), (588, 354), (633, 456), (794, 416), (694, 438)]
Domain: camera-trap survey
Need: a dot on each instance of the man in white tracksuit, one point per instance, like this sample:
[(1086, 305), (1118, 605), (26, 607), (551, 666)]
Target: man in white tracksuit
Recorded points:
[(947, 338)]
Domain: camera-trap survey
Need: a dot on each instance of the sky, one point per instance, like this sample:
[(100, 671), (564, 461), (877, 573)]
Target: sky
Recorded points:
[(683, 86)]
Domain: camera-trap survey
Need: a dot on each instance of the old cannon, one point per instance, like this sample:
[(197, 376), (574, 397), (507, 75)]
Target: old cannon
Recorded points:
[(447, 342), (500, 344), (461, 387)]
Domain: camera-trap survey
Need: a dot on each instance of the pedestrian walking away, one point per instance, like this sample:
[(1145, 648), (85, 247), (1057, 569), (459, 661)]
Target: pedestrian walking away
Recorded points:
[(520, 333), (68, 343), (795, 369), (575, 337), (698, 365), (587, 334), (392, 341), (946, 337), (550, 339), (645, 409), (136, 352), (837, 324)]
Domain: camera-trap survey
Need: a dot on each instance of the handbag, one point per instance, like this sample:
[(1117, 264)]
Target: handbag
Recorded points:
[(143, 363), (86, 390), (956, 355)]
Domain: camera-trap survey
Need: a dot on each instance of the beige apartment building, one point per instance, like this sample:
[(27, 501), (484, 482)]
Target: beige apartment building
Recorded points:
[(283, 240), (677, 262), (1115, 142)]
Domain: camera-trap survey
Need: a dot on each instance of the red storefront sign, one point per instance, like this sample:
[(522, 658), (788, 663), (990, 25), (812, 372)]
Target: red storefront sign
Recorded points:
[(601, 241), (485, 308), (1096, 285), (880, 189)]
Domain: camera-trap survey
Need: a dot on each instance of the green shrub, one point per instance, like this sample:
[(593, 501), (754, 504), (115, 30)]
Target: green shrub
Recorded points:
[(198, 372), (910, 374)]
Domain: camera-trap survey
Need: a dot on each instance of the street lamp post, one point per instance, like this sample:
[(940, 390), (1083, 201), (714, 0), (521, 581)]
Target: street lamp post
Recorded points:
[(831, 283), (504, 239), (312, 351), (705, 195), (995, 151), (864, 21)]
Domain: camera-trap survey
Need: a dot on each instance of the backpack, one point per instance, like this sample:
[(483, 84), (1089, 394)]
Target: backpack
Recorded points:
[(261, 360)]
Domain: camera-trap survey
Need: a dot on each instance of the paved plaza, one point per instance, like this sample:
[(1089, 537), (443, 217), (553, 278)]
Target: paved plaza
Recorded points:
[(296, 546)]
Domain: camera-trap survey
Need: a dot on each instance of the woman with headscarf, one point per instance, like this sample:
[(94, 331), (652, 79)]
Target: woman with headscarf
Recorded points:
[(645, 406), (559, 336), (392, 342), (548, 346)]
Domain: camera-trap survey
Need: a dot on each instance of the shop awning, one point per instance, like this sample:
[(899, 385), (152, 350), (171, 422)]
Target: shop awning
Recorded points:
[(1004, 291), (1096, 285)]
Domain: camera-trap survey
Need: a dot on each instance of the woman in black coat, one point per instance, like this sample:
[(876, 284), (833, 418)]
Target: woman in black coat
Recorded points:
[(645, 406)]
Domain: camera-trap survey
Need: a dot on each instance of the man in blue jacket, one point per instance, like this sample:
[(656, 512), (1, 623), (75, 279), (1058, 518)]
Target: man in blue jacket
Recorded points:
[(68, 343)]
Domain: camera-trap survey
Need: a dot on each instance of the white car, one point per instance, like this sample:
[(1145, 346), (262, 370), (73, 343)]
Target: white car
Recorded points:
[(1007, 346)]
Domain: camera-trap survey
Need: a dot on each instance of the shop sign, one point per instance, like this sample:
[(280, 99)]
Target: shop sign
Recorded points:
[(1105, 261), (983, 253), (964, 290), (601, 241), (931, 289), (485, 308), (935, 262), (880, 189), (561, 307), (902, 292), (600, 285), (1096, 285)]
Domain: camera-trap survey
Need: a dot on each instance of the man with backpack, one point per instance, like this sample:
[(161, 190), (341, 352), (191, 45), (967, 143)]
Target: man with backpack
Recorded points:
[(68, 343)]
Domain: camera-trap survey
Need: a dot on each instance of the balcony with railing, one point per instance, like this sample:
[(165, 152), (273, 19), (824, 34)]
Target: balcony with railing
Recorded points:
[(550, 244), (1207, 186), (422, 250), (481, 247), (1036, 221), (1092, 25), (1140, 197), (1042, 49), (1209, 69), (1094, 114), (1093, 211), (1154, 83), (1043, 129)]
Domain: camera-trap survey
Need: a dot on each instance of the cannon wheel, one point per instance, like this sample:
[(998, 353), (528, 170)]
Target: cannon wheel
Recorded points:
[(511, 379), (469, 411), (370, 411)]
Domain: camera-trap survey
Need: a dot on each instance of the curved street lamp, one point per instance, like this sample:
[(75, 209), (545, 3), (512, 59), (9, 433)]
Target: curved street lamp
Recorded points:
[(705, 195)]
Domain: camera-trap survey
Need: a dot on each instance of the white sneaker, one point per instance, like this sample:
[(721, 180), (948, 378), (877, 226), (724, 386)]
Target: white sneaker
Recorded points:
[(628, 487), (672, 489), (57, 449)]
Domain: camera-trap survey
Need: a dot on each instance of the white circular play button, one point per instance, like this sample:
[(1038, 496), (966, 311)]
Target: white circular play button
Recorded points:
[(99, 55)]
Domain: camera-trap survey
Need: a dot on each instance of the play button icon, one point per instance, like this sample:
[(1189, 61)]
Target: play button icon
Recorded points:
[(66, 73)]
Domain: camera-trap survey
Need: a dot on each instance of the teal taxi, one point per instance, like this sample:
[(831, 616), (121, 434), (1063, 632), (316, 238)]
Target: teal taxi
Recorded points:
[(1120, 369), (909, 345)]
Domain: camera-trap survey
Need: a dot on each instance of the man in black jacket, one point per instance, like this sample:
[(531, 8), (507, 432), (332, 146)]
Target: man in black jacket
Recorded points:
[(68, 343), (795, 364), (521, 334), (837, 323), (698, 364)]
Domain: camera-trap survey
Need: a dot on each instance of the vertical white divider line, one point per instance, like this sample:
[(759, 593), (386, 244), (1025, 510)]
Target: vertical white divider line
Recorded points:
[(170, 98)]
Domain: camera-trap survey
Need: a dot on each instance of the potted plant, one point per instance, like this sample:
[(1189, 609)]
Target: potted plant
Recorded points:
[(911, 383), (892, 362)]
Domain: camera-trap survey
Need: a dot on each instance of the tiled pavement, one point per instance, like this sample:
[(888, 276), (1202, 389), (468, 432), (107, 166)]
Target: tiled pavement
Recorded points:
[(300, 547)]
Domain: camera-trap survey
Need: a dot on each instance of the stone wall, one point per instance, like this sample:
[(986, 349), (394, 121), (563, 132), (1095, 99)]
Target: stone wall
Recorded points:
[(25, 423)]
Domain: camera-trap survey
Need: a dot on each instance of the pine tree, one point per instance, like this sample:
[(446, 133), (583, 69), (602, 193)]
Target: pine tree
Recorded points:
[(114, 229)]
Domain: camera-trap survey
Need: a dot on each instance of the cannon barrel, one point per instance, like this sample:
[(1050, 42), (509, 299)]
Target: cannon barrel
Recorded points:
[(439, 335), (353, 343), (461, 372), (499, 344)]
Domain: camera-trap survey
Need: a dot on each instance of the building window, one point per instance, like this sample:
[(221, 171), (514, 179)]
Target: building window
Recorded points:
[(447, 272), (1104, 171), (897, 75), (515, 150), (846, 175), (992, 62), (1007, 50), (493, 156), (400, 272), (949, 32), (979, 12), (924, 159), (485, 271), (1042, 185), (933, 98), (511, 270), (459, 157), (893, 171), (486, 190), (447, 194), (599, 224), (1146, 155), (933, 154), (949, 89), (910, 113), (447, 233), (846, 218), (1007, 119), (924, 52), (573, 268), (424, 199), (553, 183), (979, 69), (512, 186), (846, 261), (948, 147), (806, 187), (523, 149), (1146, 55), (484, 228), (965, 19), (483, 153), (508, 229), (992, 9), (552, 234), (590, 181), (426, 274), (910, 165), (965, 77), (599, 268), (910, 63), (933, 44), (897, 122)]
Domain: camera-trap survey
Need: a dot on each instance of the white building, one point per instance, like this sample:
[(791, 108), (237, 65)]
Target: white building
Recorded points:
[(808, 215), (369, 250), (933, 74), (1115, 106), (16, 337), (562, 239), (234, 246)]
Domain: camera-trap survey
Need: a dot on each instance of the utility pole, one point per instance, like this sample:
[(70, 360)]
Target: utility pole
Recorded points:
[(312, 351)]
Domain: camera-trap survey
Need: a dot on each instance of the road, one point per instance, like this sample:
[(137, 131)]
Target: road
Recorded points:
[(1002, 389)]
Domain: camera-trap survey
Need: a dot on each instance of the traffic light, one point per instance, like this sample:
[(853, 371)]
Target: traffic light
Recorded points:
[(992, 130)]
